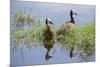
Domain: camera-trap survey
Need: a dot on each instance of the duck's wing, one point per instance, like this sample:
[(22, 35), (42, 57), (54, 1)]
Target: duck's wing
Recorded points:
[(69, 25)]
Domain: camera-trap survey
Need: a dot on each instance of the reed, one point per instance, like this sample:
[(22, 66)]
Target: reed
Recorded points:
[(82, 36)]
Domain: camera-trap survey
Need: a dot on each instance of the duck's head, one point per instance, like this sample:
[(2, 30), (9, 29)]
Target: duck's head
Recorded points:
[(72, 12), (49, 22)]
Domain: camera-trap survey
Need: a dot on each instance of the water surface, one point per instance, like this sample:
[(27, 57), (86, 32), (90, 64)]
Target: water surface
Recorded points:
[(59, 13)]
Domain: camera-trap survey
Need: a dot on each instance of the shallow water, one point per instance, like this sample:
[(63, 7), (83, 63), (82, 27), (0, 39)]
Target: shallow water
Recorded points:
[(36, 56)]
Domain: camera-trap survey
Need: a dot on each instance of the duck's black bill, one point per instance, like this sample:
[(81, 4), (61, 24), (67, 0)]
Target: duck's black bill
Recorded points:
[(50, 22), (76, 14)]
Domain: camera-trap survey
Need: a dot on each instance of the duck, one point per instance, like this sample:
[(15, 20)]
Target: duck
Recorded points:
[(68, 26), (48, 37), (71, 23)]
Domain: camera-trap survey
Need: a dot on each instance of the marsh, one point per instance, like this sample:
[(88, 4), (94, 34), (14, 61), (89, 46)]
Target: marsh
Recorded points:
[(28, 24)]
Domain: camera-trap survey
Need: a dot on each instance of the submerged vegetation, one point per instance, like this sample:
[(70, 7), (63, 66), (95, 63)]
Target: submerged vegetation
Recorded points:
[(27, 30)]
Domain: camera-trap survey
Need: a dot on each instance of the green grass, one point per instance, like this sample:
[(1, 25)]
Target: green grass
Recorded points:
[(87, 44), (82, 36)]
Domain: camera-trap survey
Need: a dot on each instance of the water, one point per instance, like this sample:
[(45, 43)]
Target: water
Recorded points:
[(59, 13), (36, 56)]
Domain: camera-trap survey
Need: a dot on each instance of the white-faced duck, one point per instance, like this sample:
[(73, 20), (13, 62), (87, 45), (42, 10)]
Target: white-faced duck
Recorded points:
[(71, 23), (68, 26), (48, 38)]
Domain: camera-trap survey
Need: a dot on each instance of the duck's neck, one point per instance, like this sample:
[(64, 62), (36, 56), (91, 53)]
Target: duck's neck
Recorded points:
[(72, 19), (48, 28)]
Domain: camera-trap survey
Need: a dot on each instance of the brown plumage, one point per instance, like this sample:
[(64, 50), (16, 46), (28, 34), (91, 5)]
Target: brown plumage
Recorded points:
[(71, 23), (68, 26), (48, 40)]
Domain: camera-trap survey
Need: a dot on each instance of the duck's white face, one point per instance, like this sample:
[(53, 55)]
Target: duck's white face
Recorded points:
[(50, 24), (49, 19), (74, 13)]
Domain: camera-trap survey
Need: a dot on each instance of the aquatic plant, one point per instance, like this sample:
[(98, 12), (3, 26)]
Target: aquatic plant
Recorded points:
[(82, 36), (87, 45), (21, 18), (30, 35)]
